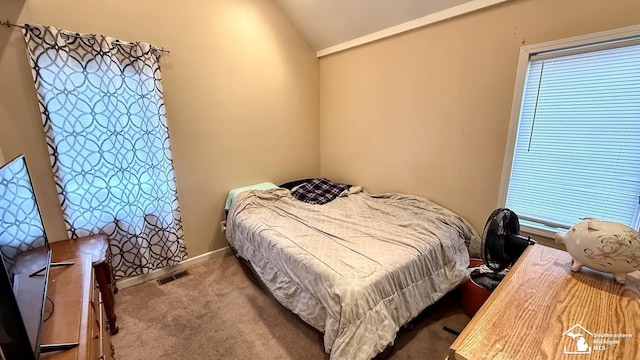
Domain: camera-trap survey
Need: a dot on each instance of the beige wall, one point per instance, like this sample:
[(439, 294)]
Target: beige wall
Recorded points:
[(423, 112), (427, 112), (241, 92)]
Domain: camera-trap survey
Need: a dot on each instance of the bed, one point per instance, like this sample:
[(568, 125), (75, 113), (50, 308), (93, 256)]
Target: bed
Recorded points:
[(357, 267)]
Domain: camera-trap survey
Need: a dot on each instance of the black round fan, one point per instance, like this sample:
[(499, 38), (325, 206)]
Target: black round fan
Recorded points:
[(502, 243)]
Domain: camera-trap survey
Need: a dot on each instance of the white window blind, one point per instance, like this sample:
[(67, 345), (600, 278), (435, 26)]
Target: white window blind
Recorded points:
[(577, 149)]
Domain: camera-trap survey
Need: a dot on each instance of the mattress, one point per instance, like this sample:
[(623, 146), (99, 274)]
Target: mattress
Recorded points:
[(357, 268)]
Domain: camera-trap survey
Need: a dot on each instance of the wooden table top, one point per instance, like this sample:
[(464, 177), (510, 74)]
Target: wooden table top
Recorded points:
[(543, 310), (93, 245), (69, 288)]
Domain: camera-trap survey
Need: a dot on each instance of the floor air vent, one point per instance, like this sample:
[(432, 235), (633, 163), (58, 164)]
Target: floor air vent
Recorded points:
[(172, 277)]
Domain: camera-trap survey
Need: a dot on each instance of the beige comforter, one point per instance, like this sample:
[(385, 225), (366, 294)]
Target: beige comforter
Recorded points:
[(356, 268)]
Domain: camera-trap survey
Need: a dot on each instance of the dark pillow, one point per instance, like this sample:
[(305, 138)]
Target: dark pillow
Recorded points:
[(291, 184), (319, 191)]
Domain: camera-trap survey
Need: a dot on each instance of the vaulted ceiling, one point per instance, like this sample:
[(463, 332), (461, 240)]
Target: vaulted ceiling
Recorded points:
[(327, 23)]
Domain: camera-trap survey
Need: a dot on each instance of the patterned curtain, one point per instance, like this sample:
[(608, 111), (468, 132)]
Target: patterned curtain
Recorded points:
[(104, 119)]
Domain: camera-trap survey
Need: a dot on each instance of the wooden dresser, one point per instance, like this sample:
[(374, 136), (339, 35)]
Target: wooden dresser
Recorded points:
[(96, 246), (77, 315), (83, 300), (543, 310)]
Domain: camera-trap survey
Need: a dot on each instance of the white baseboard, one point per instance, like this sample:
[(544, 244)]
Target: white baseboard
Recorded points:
[(158, 273)]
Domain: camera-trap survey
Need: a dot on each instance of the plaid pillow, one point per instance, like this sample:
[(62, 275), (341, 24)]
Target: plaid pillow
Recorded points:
[(319, 191)]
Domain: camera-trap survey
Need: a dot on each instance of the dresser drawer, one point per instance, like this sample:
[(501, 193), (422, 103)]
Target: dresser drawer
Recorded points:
[(83, 298)]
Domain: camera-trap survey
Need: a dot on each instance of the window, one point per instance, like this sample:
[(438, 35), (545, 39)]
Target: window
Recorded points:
[(574, 141)]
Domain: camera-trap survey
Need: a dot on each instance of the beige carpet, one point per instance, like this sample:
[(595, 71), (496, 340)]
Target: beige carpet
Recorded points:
[(218, 312)]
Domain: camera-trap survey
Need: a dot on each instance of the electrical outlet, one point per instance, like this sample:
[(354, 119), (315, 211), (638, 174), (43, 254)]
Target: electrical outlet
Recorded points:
[(223, 225)]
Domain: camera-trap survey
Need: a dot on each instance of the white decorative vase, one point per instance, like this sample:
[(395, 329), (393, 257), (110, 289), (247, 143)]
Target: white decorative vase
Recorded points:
[(604, 246)]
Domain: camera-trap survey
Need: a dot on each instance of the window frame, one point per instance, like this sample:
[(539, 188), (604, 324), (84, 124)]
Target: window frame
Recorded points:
[(526, 52)]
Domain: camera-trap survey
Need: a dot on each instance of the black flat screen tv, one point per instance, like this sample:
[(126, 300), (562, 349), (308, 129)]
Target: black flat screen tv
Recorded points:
[(25, 259)]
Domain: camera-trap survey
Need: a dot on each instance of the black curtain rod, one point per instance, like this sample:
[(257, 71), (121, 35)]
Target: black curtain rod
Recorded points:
[(7, 23)]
